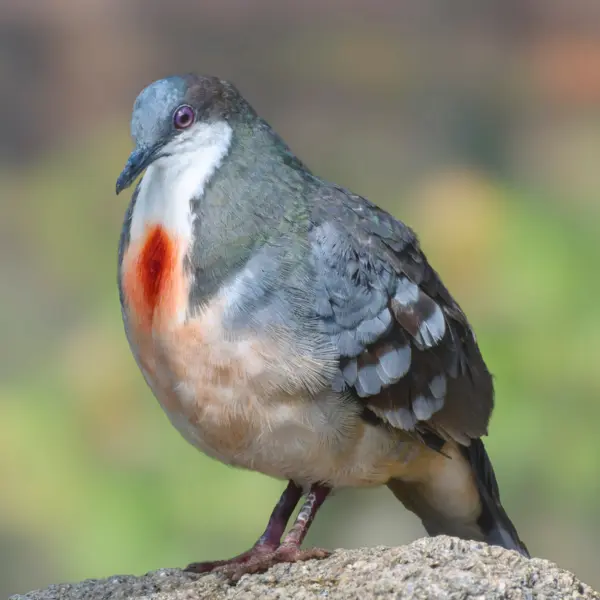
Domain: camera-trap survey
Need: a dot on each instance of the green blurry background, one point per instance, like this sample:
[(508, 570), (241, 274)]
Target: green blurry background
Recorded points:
[(478, 123)]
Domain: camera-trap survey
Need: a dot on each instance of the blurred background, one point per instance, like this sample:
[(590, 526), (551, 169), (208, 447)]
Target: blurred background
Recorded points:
[(477, 123)]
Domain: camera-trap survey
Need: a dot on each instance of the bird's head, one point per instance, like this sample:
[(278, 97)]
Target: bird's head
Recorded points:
[(178, 115)]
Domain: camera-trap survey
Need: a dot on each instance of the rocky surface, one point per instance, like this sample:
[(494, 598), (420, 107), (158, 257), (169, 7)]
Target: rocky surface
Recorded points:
[(429, 568)]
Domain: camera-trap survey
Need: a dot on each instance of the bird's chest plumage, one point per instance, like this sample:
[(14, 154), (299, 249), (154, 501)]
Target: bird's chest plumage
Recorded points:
[(254, 398), (234, 398), (231, 395), (153, 281), (202, 379), (240, 399)]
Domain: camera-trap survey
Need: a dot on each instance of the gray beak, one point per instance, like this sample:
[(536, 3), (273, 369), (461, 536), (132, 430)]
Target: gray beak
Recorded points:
[(138, 160)]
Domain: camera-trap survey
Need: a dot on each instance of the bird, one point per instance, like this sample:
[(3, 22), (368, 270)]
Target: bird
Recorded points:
[(289, 326)]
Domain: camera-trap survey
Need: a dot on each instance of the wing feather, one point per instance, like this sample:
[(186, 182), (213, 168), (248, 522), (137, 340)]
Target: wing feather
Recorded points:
[(406, 348)]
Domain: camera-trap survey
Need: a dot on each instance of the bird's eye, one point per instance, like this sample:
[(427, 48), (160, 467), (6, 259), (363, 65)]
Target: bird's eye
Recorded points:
[(183, 117)]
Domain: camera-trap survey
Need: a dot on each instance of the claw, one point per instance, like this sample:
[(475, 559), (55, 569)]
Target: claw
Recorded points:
[(261, 563), (218, 565), (257, 560)]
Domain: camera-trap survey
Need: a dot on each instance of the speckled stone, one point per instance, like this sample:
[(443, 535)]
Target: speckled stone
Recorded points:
[(430, 568)]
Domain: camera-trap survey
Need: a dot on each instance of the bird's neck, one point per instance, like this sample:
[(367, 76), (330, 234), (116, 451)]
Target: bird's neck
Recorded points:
[(255, 196), (240, 189), (165, 192)]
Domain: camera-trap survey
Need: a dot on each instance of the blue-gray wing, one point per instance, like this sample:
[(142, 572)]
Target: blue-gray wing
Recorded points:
[(405, 347)]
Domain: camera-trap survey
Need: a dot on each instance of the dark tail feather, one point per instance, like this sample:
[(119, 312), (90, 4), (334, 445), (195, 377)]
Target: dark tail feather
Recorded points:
[(455, 492), (494, 523)]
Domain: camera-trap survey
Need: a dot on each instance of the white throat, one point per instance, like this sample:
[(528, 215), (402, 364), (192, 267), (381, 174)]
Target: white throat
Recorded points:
[(172, 181)]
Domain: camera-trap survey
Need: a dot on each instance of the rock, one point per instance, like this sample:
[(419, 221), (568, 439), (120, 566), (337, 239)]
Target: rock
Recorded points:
[(431, 568)]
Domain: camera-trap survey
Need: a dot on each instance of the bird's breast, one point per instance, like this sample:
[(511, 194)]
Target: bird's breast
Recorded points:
[(153, 280), (242, 396)]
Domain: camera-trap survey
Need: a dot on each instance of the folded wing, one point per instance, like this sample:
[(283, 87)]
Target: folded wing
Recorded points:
[(406, 348)]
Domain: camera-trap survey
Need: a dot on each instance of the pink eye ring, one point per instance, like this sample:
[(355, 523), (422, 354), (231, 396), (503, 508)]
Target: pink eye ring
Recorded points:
[(183, 117)]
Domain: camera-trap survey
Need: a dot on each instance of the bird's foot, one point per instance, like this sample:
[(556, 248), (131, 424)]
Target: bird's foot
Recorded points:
[(263, 561), (269, 551), (207, 567), (257, 560)]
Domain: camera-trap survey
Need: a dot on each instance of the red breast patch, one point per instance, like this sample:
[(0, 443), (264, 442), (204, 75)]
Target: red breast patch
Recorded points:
[(149, 275)]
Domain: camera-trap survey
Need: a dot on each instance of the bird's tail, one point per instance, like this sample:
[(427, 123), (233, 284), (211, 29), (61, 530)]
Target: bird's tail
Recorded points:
[(456, 493), (495, 524)]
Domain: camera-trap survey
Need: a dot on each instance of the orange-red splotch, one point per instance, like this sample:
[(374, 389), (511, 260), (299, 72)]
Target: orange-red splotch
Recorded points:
[(152, 278), (155, 264)]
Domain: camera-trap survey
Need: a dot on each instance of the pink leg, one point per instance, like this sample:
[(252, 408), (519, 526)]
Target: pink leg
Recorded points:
[(289, 550), (268, 541)]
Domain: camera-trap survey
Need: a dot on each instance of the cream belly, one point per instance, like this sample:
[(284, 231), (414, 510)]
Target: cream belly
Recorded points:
[(238, 401)]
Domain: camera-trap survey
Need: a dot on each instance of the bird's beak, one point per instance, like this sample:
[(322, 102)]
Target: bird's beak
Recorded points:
[(138, 160)]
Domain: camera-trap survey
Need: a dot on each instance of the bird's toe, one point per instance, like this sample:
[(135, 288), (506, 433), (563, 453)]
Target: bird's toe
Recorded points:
[(230, 564), (259, 563)]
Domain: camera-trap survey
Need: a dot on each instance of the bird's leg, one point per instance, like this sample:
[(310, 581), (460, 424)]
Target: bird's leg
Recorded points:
[(289, 550), (268, 541)]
